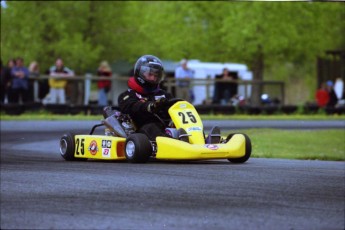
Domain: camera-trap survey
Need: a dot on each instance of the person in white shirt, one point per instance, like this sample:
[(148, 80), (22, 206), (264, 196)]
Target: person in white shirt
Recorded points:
[(339, 88), (183, 77)]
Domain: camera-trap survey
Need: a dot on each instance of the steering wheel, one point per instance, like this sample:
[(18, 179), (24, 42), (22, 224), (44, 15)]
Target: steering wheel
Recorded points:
[(167, 104), (172, 101)]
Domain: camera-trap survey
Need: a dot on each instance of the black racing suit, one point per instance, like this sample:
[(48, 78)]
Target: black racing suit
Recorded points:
[(136, 105)]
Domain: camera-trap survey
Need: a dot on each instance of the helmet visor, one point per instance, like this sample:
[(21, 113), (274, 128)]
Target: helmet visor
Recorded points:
[(151, 74)]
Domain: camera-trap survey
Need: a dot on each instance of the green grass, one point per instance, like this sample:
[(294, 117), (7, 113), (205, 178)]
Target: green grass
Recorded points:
[(297, 144)]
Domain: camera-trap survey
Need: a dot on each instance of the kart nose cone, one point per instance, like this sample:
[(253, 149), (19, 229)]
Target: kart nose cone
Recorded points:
[(130, 147)]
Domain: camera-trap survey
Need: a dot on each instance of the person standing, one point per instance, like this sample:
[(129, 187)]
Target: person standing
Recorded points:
[(322, 96), (183, 77), (19, 83), (6, 79), (224, 91), (104, 86), (57, 86), (333, 100), (339, 88), (34, 72)]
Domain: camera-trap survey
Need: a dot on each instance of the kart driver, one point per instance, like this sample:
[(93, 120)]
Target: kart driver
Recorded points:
[(144, 100)]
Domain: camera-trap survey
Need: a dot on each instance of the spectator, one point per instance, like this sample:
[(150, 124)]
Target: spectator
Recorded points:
[(322, 96), (104, 86), (34, 71), (339, 88), (19, 83), (43, 86), (333, 100), (57, 86), (224, 91), (183, 77), (6, 79)]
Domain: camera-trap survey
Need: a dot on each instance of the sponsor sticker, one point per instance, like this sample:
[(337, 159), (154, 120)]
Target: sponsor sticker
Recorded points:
[(194, 129), (106, 152), (212, 147), (182, 106), (106, 144), (93, 148)]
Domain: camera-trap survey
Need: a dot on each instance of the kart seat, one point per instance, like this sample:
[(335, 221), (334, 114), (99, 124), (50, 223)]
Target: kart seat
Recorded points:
[(214, 136), (182, 135)]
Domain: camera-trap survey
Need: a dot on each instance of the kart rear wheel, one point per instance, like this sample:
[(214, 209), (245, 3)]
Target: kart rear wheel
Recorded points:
[(67, 147), (138, 148), (248, 150)]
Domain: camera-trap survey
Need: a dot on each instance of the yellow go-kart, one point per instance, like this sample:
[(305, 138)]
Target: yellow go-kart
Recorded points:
[(122, 142)]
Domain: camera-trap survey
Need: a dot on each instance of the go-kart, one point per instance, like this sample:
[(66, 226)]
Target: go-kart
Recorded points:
[(121, 140)]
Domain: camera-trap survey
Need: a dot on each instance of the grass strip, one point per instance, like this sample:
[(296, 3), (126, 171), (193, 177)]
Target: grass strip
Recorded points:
[(297, 144)]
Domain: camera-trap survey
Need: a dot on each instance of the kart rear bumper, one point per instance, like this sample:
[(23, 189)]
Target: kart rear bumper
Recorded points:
[(172, 149)]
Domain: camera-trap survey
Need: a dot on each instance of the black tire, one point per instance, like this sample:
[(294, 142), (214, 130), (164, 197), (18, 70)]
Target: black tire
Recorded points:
[(67, 148), (248, 149), (138, 148)]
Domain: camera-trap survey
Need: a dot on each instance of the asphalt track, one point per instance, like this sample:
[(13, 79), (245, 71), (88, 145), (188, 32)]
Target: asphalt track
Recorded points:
[(39, 190)]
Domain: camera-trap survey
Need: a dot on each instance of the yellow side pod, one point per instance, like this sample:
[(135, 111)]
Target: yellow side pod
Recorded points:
[(99, 147), (172, 149)]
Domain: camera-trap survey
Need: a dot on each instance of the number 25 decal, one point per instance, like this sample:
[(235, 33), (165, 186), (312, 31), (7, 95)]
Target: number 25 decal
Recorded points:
[(80, 146), (189, 115)]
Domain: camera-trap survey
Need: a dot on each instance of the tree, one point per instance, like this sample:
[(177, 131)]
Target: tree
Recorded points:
[(43, 31), (260, 34)]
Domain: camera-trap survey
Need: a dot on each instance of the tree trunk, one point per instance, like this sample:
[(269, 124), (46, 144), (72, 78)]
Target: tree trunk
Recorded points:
[(258, 70)]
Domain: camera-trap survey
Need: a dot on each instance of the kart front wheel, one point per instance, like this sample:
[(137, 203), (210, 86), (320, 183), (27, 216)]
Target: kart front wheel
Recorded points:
[(138, 148), (67, 147), (248, 149)]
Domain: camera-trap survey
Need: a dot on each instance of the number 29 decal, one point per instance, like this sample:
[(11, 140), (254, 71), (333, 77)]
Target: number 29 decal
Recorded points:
[(186, 117)]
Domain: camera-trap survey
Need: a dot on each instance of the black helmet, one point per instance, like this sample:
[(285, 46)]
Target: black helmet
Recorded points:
[(148, 72)]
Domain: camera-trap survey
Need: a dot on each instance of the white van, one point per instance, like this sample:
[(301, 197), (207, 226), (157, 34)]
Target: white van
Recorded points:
[(208, 70), (202, 70)]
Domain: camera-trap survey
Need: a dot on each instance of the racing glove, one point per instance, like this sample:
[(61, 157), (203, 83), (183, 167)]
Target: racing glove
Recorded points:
[(154, 107)]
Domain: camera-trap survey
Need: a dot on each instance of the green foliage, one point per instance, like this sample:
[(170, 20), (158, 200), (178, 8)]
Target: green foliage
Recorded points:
[(85, 32)]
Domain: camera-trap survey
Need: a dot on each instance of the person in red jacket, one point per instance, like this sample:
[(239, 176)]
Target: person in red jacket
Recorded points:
[(104, 86), (322, 96), (144, 100)]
